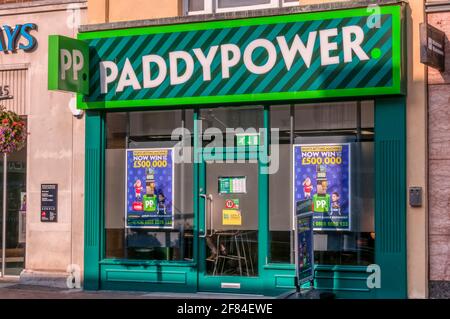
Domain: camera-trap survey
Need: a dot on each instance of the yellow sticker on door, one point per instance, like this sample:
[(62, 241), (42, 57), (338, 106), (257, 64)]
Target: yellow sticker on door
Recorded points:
[(231, 217)]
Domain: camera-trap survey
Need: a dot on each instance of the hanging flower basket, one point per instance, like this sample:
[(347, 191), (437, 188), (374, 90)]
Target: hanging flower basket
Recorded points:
[(13, 131)]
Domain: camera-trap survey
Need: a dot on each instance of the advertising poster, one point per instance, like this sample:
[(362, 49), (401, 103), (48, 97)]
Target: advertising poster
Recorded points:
[(149, 178), (304, 241), (322, 174)]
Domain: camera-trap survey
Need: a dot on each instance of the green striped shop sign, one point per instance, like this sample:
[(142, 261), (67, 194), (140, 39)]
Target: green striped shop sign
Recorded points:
[(343, 53)]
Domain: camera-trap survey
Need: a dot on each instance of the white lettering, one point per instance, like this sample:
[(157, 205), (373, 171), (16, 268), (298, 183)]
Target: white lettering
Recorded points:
[(175, 78), (66, 62), (228, 62), (159, 61), (106, 78), (326, 46), (306, 52), (351, 46), (206, 61), (128, 78), (78, 63), (271, 52)]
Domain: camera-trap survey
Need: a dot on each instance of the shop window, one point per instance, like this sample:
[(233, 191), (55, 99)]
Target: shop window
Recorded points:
[(151, 219), (219, 6), (229, 122), (280, 185), (340, 240)]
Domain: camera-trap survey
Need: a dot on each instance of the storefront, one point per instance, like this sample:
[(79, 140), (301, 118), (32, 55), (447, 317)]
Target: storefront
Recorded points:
[(203, 137)]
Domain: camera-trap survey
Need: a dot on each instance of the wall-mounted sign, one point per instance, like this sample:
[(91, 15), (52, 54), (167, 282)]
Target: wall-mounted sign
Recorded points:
[(232, 185), (68, 64), (432, 46), (322, 174), (49, 203), (288, 57), (18, 37), (304, 241), (150, 191)]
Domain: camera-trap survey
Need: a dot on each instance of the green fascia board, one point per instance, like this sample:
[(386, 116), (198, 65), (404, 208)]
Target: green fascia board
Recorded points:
[(204, 100), (398, 70)]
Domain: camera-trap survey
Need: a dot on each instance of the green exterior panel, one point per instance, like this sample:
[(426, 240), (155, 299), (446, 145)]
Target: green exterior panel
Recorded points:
[(391, 196), (142, 276), (93, 199)]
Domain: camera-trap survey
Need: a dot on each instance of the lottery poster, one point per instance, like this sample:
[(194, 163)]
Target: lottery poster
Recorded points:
[(322, 174), (149, 188)]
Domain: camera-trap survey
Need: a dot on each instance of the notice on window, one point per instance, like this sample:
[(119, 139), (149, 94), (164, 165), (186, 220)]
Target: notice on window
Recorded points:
[(233, 185), (149, 187), (231, 217), (322, 174)]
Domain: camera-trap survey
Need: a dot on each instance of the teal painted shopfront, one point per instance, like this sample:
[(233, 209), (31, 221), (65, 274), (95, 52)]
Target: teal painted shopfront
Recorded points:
[(191, 177)]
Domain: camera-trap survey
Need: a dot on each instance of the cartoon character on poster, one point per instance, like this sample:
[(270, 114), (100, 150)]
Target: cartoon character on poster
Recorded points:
[(149, 188), (137, 190), (322, 173), (307, 187)]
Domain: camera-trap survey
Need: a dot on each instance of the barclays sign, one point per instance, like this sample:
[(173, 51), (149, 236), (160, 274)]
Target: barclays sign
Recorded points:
[(17, 38)]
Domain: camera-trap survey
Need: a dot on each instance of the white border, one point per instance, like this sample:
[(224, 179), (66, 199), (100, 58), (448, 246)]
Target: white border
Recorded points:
[(126, 187), (349, 183), (272, 4), (208, 7), (290, 4)]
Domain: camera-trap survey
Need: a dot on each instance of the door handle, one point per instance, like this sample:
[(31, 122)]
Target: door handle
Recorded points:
[(211, 215), (204, 215), (210, 198)]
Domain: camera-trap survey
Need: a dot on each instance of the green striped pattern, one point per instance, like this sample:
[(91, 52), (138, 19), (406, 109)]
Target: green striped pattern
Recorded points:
[(378, 72)]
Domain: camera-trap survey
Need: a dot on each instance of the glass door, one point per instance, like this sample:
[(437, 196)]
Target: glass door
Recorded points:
[(230, 245), (229, 215)]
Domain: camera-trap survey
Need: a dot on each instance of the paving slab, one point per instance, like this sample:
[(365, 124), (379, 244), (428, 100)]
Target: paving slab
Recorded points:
[(20, 291)]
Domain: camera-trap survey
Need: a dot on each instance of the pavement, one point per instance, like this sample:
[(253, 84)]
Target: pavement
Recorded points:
[(15, 290)]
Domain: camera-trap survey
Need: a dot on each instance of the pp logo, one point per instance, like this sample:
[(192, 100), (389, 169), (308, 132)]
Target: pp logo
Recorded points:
[(74, 278), (71, 60), (321, 203)]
